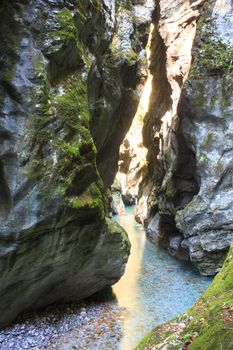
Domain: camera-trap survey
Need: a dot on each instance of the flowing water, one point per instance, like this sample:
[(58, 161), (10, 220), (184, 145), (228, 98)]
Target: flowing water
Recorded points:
[(154, 289), (155, 286)]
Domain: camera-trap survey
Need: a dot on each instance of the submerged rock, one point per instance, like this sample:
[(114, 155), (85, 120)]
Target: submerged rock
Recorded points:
[(175, 248), (128, 199)]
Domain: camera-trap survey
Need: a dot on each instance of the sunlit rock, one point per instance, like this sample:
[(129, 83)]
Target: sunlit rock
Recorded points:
[(188, 129)]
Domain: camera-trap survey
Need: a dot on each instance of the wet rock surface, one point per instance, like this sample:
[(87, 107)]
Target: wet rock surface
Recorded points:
[(116, 81), (116, 319), (207, 125), (188, 131), (117, 205), (71, 78)]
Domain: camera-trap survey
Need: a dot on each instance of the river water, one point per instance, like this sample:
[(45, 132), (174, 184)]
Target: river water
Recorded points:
[(154, 289), (155, 286)]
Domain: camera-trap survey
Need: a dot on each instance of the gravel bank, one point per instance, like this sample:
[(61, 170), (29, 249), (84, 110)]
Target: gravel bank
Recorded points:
[(92, 325)]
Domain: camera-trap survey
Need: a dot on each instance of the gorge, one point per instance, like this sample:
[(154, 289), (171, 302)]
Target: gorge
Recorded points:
[(72, 76)]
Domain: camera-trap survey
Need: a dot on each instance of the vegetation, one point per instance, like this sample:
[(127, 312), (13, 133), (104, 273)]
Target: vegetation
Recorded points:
[(208, 141), (129, 56), (125, 4), (202, 157), (67, 30), (216, 56), (211, 53), (63, 150), (62, 125), (91, 198), (207, 325)]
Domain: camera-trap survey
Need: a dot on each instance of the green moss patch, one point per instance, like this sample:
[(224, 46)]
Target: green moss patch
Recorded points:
[(208, 325), (123, 4), (90, 201), (210, 53), (129, 56), (63, 151)]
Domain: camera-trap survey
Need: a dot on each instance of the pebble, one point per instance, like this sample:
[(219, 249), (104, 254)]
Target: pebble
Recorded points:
[(89, 326)]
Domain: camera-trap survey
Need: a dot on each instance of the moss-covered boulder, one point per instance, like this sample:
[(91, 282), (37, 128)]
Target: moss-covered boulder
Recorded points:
[(207, 325)]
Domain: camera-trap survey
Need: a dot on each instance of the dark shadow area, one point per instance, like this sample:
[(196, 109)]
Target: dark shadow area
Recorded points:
[(5, 195)]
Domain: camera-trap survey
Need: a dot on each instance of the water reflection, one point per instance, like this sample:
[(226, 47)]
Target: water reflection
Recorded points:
[(155, 287), (126, 288)]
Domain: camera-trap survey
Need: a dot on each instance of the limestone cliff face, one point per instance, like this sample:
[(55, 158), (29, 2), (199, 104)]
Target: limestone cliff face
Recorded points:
[(209, 114), (116, 82), (188, 132), (71, 77)]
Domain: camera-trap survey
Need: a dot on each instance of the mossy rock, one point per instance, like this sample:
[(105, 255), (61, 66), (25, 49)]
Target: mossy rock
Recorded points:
[(63, 156), (210, 54), (207, 325)]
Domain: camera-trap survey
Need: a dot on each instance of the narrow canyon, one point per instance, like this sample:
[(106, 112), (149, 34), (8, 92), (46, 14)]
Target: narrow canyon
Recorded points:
[(107, 105)]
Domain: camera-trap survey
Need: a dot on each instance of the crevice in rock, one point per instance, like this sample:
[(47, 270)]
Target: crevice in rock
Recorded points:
[(132, 162), (181, 187), (5, 195), (186, 177), (64, 62), (172, 178), (11, 90)]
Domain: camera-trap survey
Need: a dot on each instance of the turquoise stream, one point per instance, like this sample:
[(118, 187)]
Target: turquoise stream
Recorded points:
[(155, 287)]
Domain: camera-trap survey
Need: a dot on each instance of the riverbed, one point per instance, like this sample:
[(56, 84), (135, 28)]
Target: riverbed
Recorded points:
[(154, 288)]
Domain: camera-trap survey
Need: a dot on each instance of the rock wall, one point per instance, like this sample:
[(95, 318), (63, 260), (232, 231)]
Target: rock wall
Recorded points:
[(116, 82), (71, 76), (188, 132), (132, 157)]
